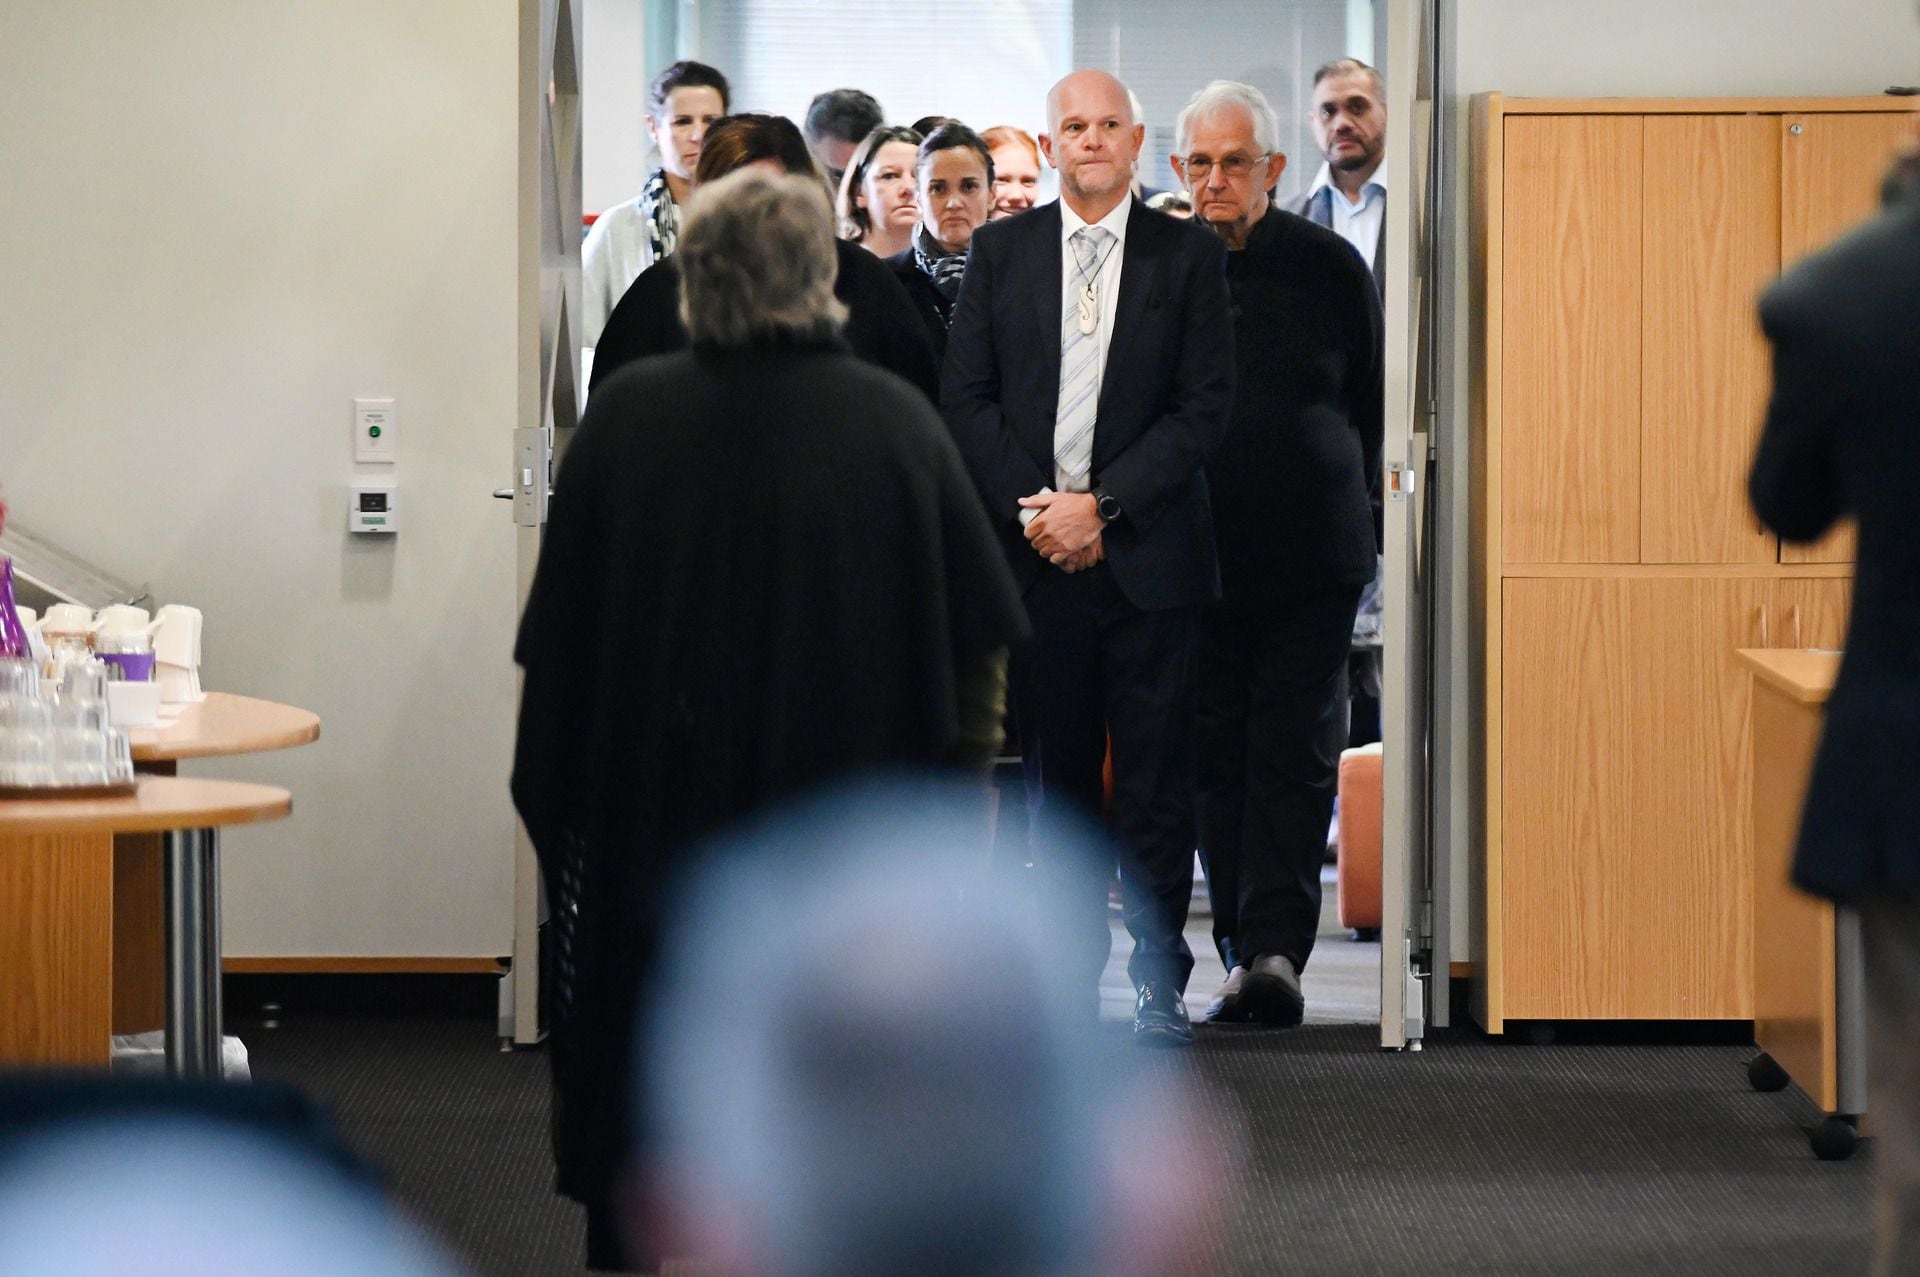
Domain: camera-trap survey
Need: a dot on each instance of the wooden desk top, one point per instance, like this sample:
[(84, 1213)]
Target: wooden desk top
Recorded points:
[(1805, 674), (224, 724), (161, 803)]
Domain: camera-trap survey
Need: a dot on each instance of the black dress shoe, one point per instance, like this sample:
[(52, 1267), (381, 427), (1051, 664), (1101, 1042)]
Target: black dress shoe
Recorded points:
[(1160, 1016)]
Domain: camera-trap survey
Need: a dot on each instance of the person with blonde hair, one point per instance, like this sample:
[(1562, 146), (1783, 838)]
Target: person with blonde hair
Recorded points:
[(765, 571)]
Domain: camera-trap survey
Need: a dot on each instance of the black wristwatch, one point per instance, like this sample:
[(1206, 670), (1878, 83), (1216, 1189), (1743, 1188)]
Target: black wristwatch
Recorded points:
[(1107, 504)]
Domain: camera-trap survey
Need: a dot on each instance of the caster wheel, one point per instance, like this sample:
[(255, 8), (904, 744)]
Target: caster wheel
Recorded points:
[(1765, 1073), (1833, 1139)]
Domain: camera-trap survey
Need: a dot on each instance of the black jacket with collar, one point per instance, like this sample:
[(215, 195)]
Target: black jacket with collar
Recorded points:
[(1163, 404), (1846, 399), (935, 311)]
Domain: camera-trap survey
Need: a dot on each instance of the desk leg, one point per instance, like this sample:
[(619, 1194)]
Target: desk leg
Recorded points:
[(193, 952)]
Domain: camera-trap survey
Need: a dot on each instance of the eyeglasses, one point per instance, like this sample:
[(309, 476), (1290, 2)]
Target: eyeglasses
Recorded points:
[(1198, 166)]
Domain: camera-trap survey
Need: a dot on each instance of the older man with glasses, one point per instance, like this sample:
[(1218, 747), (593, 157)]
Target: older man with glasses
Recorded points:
[(1295, 488)]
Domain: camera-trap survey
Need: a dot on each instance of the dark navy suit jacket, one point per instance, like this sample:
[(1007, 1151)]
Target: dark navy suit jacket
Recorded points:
[(1840, 433), (1164, 398)]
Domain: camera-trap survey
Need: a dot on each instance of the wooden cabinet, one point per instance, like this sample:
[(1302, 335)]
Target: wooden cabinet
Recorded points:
[(1573, 470), (1619, 379), (1826, 162), (1711, 236)]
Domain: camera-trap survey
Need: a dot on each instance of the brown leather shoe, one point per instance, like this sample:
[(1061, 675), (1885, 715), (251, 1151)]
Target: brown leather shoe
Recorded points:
[(1224, 1007), (1271, 992)]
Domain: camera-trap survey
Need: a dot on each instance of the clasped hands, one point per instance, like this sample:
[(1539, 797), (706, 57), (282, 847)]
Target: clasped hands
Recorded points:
[(1066, 532)]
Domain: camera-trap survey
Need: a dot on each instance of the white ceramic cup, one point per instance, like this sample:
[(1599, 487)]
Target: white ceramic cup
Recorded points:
[(67, 618), (119, 618)]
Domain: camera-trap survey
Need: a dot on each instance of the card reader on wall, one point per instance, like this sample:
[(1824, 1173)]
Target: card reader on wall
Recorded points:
[(371, 507)]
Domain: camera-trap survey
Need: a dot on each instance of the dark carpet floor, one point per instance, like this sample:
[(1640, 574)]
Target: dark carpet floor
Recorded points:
[(1471, 1156)]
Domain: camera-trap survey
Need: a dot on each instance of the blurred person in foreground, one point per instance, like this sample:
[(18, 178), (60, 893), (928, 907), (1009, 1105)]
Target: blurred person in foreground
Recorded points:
[(837, 122), (682, 104), (881, 328), (878, 205), (1845, 405), (1089, 375), (859, 1110), (107, 1196), (1016, 169), (954, 172), (765, 570), (1295, 487)]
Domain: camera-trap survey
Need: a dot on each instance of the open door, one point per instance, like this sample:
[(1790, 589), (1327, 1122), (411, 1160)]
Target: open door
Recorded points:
[(549, 398), (1406, 902)]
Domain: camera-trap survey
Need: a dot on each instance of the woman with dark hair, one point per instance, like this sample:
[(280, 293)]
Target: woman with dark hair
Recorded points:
[(682, 104), (876, 204), (1016, 169), (881, 324), (766, 571), (954, 173)]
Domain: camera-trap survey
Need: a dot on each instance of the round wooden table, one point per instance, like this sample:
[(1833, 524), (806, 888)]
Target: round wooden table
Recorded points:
[(57, 916), (222, 725)]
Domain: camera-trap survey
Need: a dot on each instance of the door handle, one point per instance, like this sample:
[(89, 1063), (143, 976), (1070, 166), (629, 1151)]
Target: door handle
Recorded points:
[(1794, 613), (1760, 614)]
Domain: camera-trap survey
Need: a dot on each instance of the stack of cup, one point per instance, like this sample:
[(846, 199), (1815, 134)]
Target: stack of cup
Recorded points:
[(59, 737), (123, 640)]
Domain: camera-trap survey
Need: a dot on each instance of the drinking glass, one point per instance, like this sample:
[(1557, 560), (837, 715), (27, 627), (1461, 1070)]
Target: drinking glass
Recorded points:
[(119, 756), (25, 757), (79, 756), (84, 681)]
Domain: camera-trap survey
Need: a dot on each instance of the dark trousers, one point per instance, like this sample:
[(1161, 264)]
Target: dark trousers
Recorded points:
[(1098, 668), (1271, 722)]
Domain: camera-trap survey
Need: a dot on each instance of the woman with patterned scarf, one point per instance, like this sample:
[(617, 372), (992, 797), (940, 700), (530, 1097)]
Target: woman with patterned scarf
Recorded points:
[(954, 172), (682, 102)]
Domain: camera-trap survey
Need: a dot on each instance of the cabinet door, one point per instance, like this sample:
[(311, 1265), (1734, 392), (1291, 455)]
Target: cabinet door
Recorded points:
[(1810, 612), (1625, 884), (1570, 340), (1830, 171), (1710, 242)]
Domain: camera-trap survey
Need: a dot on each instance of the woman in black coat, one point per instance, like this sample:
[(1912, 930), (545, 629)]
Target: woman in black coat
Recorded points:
[(880, 327), (1839, 432), (766, 570), (955, 176)]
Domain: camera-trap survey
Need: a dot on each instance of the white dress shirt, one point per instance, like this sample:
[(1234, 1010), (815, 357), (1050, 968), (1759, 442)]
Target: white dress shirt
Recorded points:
[(1106, 283), (1358, 224)]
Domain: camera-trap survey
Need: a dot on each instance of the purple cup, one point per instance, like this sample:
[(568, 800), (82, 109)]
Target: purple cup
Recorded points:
[(128, 667)]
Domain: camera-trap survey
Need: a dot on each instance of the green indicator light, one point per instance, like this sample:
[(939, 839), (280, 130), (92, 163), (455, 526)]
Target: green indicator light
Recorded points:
[(372, 520), (373, 432)]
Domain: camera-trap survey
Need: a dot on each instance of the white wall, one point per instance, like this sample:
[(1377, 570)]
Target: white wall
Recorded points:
[(221, 223), (1607, 48), (613, 100)]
